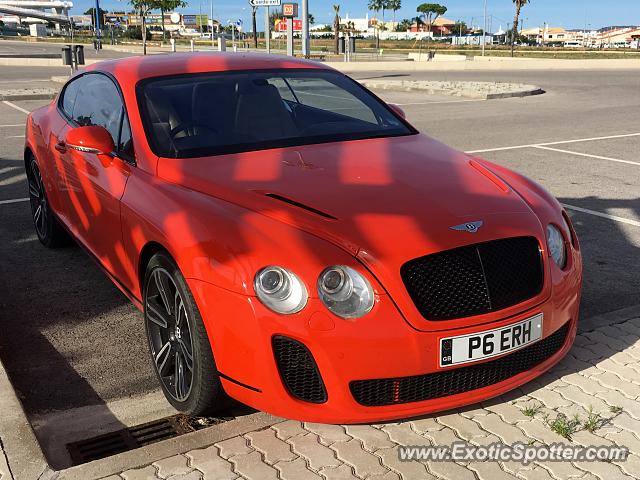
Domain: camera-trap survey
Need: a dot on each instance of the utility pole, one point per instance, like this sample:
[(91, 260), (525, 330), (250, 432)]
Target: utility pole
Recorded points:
[(267, 29), (213, 42), (98, 22), (306, 51), (484, 28)]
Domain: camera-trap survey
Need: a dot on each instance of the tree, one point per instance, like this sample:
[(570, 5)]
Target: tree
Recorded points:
[(92, 11), (376, 6), (404, 25), (312, 19), (168, 6), (336, 28), (431, 12), (460, 27), (394, 6), (519, 4), (254, 27), (142, 8)]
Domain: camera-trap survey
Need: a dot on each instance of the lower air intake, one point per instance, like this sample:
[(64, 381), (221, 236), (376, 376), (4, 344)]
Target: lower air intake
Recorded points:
[(298, 370)]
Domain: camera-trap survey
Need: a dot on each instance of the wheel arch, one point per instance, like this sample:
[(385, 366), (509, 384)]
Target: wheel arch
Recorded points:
[(147, 252), (28, 154)]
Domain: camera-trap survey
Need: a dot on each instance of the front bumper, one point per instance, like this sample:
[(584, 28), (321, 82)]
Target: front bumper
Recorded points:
[(380, 345)]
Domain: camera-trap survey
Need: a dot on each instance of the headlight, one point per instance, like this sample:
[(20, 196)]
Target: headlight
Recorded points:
[(280, 290), (557, 248), (345, 292)]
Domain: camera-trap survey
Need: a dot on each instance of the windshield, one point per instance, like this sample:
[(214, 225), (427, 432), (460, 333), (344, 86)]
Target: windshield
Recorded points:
[(217, 113)]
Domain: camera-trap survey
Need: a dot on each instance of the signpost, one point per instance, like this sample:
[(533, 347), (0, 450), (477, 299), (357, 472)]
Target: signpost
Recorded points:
[(267, 25), (289, 12)]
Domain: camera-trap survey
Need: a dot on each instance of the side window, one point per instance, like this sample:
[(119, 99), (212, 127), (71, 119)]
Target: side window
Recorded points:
[(69, 97), (324, 95), (98, 103), (125, 143)]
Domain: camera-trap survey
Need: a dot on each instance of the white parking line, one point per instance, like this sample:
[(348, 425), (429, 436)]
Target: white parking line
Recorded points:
[(603, 215), (13, 105), (13, 125), (15, 136), (587, 155), (14, 200), (533, 145)]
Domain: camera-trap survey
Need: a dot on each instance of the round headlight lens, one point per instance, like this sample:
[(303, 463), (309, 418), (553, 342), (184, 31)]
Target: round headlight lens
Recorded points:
[(280, 290), (556, 245), (345, 292)]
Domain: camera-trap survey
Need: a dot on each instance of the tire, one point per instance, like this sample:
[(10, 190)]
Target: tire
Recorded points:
[(196, 391), (48, 228)]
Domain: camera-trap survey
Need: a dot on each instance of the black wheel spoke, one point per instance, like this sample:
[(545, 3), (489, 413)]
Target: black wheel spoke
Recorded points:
[(162, 358), (34, 190), (156, 315), (180, 378), (162, 289), (187, 354)]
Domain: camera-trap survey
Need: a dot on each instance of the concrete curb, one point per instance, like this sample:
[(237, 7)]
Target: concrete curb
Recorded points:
[(16, 95), (489, 64), (24, 457), (474, 90), (38, 62)]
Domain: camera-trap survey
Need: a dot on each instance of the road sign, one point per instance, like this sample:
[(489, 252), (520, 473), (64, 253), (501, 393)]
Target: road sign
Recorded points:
[(281, 25), (290, 10), (265, 3)]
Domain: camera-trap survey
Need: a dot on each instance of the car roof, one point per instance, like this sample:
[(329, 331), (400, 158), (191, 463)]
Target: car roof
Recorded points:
[(140, 67)]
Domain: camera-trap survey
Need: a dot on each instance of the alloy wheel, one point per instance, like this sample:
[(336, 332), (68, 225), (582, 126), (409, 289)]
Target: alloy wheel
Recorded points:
[(38, 200), (169, 334)]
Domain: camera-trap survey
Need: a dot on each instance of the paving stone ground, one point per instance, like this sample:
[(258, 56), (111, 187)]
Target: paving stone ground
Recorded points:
[(600, 374)]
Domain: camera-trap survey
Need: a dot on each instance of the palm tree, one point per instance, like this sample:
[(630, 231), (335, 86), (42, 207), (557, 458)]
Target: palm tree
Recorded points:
[(519, 4), (394, 6), (376, 6), (431, 11), (336, 28)]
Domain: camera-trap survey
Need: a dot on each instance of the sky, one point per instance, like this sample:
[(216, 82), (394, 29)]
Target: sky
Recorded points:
[(591, 14)]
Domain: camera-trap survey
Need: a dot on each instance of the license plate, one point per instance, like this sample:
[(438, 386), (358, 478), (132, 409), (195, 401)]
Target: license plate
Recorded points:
[(481, 345)]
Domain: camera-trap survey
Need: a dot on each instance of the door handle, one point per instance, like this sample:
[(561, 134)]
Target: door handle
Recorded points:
[(61, 147)]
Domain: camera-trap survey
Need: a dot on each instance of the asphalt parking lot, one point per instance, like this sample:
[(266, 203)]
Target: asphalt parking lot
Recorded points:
[(74, 347)]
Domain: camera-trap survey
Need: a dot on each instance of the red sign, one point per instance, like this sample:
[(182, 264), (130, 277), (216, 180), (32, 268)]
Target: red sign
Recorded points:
[(290, 10), (281, 25)]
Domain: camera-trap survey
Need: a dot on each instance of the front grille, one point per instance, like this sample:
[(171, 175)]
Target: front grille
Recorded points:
[(298, 370), (475, 279), (391, 391)]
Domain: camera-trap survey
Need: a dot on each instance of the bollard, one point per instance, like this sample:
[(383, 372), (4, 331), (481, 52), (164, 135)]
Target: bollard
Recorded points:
[(78, 53), (235, 48), (173, 44), (66, 56), (193, 48), (222, 44)]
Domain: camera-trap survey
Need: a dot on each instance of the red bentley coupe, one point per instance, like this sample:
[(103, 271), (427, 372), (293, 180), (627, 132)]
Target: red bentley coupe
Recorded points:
[(294, 243)]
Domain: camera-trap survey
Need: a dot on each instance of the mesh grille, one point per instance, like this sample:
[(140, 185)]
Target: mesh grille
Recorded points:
[(390, 391), (298, 370), (475, 279)]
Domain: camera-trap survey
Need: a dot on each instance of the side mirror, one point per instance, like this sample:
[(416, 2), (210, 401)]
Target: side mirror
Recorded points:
[(93, 139), (398, 110)]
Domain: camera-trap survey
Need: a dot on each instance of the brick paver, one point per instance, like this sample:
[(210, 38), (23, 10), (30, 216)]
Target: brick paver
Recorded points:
[(602, 371)]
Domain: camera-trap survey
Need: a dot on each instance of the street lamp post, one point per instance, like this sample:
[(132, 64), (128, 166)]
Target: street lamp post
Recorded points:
[(306, 51), (484, 28), (98, 22)]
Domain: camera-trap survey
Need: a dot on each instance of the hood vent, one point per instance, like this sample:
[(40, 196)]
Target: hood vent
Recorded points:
[(275, 196)]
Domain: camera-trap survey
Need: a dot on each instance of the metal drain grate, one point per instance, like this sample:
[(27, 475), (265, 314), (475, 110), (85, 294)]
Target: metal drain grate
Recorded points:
[(127, 439)]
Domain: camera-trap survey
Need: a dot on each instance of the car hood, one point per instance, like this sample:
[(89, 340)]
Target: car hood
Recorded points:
[(385, 200)]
